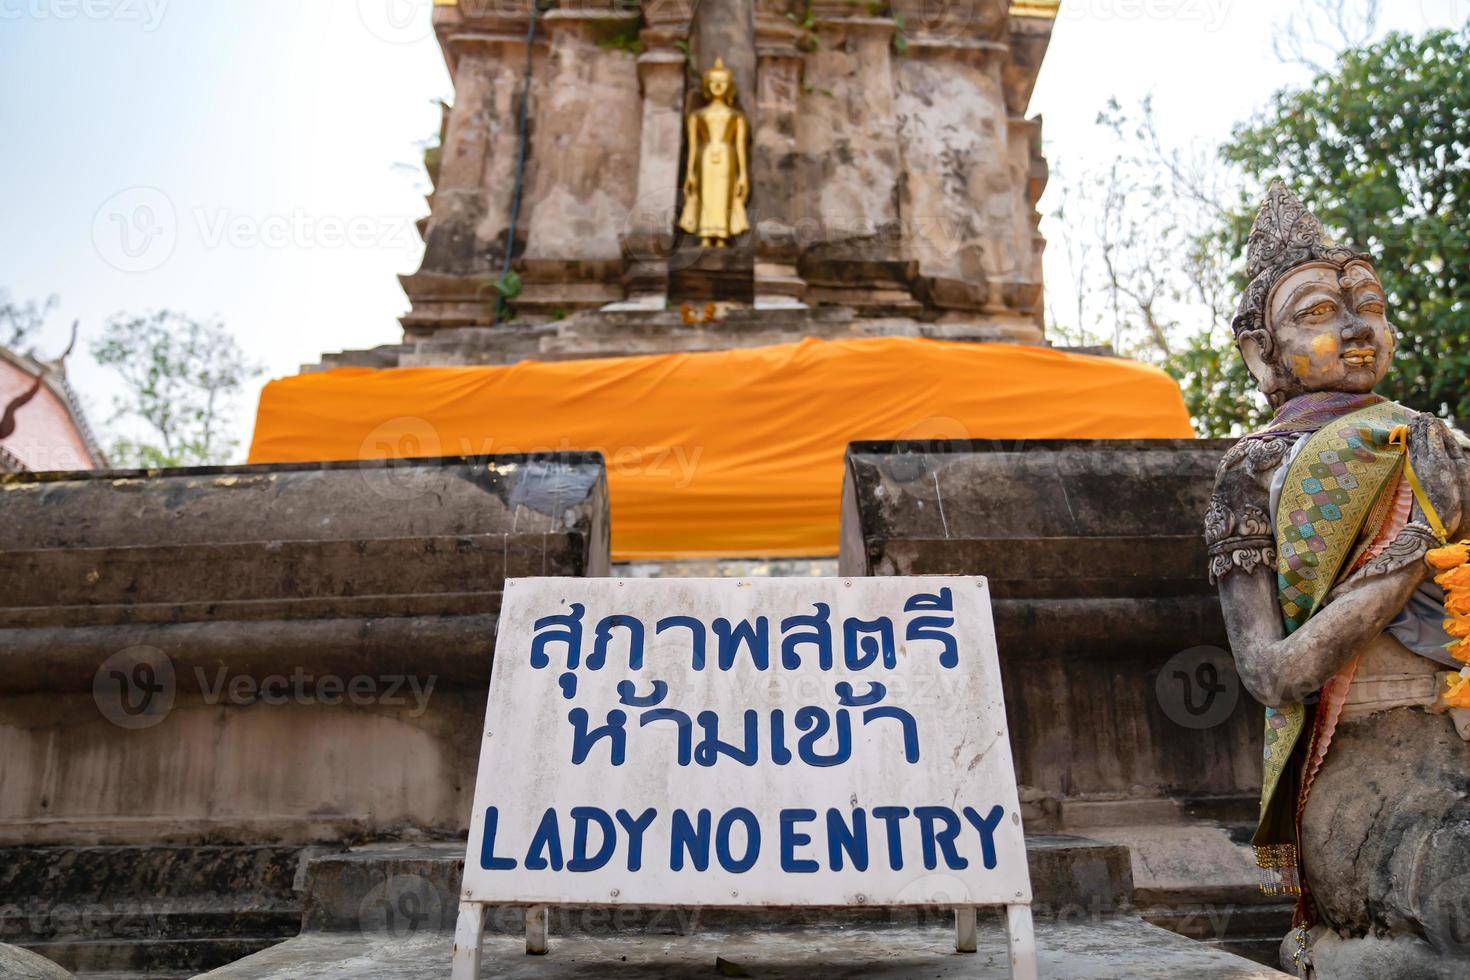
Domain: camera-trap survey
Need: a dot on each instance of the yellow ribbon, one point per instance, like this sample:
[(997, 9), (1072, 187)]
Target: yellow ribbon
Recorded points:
[(1398, 437)]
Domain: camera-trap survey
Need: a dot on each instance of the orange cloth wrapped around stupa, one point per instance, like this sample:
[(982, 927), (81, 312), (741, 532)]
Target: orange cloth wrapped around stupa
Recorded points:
[(726, 453)]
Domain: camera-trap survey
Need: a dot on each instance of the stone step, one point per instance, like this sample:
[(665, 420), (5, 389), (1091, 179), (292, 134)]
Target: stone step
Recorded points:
[(147, 920), (39, 878), (1252, 928), (1270, 918), (166, 910), (149, 911), (1101, 950), (1265, 950), (405, 887), (152, 958), (1199, 878)]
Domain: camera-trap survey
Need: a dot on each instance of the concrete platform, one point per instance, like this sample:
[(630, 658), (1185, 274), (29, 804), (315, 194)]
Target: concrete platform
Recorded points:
[(1100, 950)]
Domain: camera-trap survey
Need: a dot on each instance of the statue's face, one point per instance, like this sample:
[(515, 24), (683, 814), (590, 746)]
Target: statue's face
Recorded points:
[(1331, 330), (719, 86)]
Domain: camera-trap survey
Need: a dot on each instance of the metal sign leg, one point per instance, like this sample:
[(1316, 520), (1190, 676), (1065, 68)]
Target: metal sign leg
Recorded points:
[(964, 929), (1021, 939), (468, 931), (536, 944)]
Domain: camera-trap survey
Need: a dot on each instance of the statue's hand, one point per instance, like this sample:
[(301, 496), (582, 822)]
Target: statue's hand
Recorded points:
[(689, 187), (742, 189), (1439, 463)]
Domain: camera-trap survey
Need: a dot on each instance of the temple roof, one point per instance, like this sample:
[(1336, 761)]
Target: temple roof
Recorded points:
[(51, 430)]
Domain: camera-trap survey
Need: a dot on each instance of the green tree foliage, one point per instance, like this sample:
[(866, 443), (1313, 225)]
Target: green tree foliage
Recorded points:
[(1379, 148), (1218, 390), (180, 376)]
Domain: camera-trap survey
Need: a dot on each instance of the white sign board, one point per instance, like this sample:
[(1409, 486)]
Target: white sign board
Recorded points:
[(722, 742)]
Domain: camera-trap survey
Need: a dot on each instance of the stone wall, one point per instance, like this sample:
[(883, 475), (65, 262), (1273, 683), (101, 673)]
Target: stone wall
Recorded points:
[(1095, 556), (586, 162), (894, 172), (614, 333), (264, 654)]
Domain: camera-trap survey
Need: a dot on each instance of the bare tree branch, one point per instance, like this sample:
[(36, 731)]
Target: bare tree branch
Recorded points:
[(1313, 37), (20, 321)]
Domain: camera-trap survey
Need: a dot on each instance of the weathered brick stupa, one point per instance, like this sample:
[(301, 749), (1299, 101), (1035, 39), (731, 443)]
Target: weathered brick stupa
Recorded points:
[(891, 189)]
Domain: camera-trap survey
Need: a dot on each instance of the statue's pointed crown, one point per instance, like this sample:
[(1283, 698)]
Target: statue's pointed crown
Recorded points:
[(1285, 233), (1284, 236), (718, 68)]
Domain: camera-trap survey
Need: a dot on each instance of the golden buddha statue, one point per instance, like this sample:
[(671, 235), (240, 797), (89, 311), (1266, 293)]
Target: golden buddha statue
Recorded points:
[(716, 182)]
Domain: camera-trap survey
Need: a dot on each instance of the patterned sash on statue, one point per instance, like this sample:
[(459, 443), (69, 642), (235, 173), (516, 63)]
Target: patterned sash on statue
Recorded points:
[(1336, 483)]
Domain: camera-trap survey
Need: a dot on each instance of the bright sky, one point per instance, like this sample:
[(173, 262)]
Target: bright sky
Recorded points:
[(270, 148)]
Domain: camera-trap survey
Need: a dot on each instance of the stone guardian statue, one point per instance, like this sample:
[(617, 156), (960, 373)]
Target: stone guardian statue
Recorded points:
[(1318, 534), (716, 181)]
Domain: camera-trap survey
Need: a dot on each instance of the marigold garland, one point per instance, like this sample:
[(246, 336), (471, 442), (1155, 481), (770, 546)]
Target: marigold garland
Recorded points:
[(1450, 556), (1453, 563), (1457, 690)]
